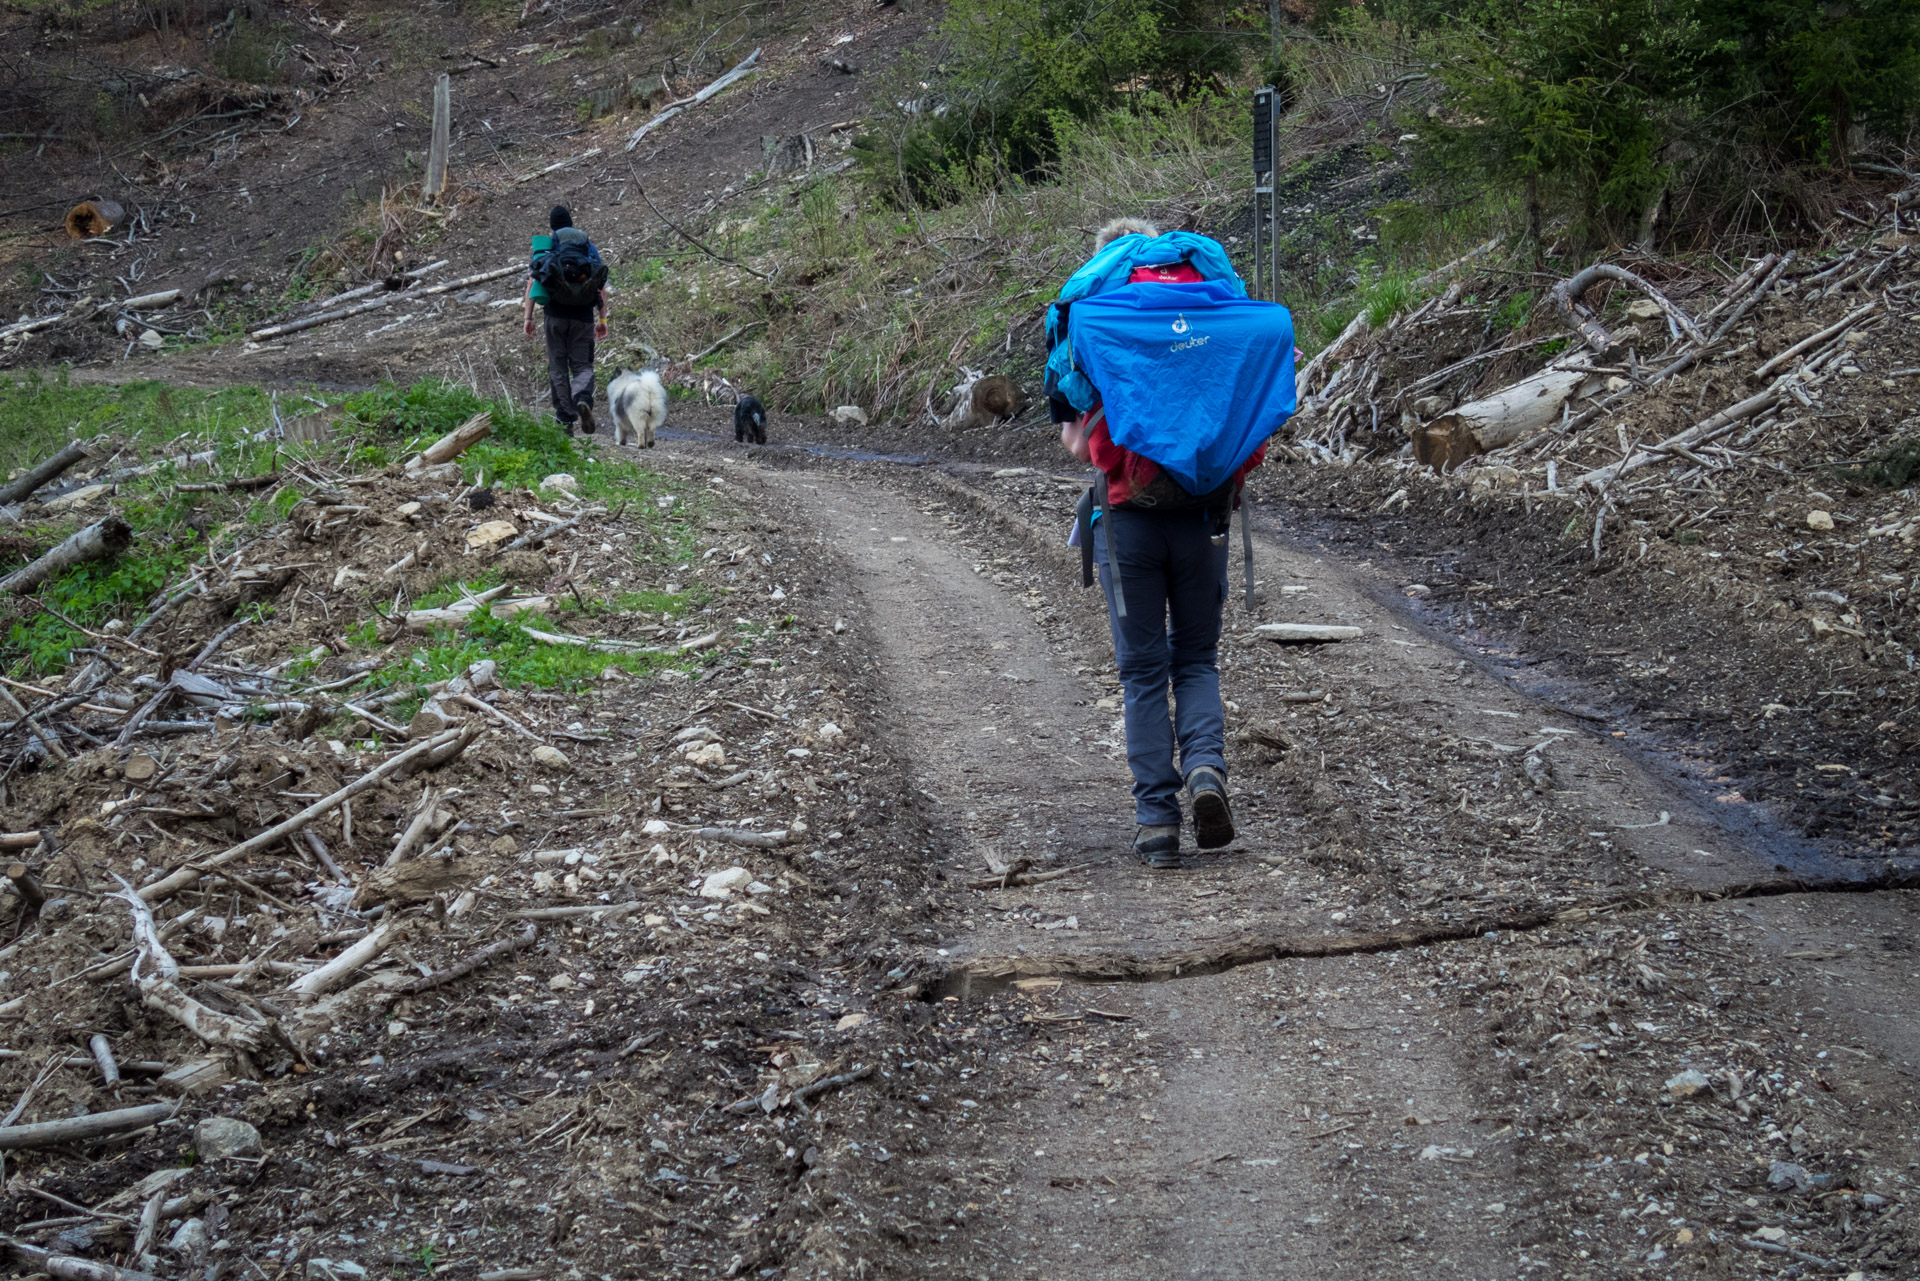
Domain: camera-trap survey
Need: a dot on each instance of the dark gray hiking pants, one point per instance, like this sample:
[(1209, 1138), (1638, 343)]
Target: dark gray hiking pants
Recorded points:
[(569, 366)]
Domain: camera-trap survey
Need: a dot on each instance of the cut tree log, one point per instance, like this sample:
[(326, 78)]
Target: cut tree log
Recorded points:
[(42, 472), (687, 104), (102, 540), (328, 317), (1565, 298), (336, 972), (1306, 633), (1492, 421), (416, 754), (92, 218), (19, 840), (150, 302), (455, 442), (603, 645), (46, 1134)]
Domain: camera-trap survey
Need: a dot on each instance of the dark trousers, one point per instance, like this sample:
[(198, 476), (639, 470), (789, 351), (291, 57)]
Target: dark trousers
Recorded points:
[(1175, 577), (569, 366)]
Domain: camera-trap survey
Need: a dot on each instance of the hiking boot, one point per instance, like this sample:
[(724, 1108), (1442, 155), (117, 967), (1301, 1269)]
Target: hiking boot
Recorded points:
[(1212, 818), (1158, 845), (566, 425), (586, 417)]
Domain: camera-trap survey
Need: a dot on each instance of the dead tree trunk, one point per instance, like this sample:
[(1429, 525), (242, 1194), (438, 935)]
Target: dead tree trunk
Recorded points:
[(1565, 298), (102, 540)]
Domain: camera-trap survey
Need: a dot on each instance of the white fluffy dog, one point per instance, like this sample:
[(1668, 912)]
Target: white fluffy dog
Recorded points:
[(639, 405)]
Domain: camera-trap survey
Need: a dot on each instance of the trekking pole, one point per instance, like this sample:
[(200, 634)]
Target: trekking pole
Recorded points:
[(1246, 548), (1113, 560)]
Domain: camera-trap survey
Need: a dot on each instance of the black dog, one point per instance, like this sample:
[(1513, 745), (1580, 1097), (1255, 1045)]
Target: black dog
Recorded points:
[(749, 421)]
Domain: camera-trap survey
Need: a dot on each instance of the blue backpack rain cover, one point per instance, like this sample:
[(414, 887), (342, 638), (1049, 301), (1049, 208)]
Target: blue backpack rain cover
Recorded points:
[(1193, 376)]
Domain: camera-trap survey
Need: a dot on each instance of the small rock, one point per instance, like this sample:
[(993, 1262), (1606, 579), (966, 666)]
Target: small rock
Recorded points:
[(849, 1021), (1643, 309), (334, 1270), (1873, 1201), (845, 414), (1785, 1174), (759, 889), (722, 884), (151, 340), (503, 845), (707, 756), (1688, 1083), (407, 509), (189, 1239), (548, 757), (1822, 521), (1775, 1235), (1008, 473), (493, 531), (558, 483), (220, 1136), (1430, 406), (655, 827), (482, 674), (830, 732), (561, 983)]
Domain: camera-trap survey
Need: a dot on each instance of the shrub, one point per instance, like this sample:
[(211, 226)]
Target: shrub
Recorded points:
[(1018, 75)]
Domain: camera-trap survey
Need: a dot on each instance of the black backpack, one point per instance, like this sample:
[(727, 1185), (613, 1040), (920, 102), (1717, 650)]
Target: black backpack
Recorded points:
[(571, 272)]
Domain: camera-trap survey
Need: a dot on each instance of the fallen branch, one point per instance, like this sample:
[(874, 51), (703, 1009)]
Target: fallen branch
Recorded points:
[(343, 313), (686, 104), (103, 1057), (1023, 877), (65, 1267), (46, 1134), (557, 165), (468, 700), (1697, 434), (604, 646), (460, 969), (392, 284), (805, 1092), (717, 345), (155, 973), (752, 840), (1565, 298), (336, 972), (568, 913), (102, 540), (455, 442), (1805, 344), (185, 876), (534, 537), (34, 477)]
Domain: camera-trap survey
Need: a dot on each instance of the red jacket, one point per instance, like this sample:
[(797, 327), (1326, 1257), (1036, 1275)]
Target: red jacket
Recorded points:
[(1127, 472)]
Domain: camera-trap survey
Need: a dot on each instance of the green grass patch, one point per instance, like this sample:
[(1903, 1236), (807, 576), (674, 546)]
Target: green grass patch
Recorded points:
[(150, 421)]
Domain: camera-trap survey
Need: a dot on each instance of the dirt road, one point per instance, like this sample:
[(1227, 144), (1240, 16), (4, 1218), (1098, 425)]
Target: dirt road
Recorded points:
[(1280, 1061)]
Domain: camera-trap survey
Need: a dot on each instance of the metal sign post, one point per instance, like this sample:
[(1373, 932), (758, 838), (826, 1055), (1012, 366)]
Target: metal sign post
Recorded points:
[(1266, 259)]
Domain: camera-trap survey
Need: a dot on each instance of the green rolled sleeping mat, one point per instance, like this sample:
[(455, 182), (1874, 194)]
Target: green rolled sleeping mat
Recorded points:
[(540, 245)]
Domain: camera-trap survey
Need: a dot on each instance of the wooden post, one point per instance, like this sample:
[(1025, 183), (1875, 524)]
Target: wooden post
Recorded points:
[(442, 128)]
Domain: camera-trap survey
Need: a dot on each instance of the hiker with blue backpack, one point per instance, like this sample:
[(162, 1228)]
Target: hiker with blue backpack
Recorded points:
[(1169, 380), (567, 277)]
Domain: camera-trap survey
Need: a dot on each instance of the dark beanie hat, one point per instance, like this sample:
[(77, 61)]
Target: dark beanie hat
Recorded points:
[(559, 218)]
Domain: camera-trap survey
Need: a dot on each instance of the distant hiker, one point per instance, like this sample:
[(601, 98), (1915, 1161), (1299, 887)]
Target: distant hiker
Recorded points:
[(567, 278), (1169, 380)]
